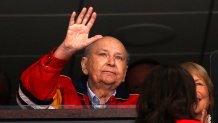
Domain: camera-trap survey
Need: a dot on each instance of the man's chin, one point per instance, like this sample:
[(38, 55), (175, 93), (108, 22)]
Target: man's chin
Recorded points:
[(109, 80)]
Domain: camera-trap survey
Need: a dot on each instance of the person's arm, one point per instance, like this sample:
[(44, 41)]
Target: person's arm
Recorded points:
[(40, 81)]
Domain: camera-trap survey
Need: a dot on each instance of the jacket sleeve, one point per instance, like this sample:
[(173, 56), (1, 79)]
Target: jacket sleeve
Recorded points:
[(39, 82)]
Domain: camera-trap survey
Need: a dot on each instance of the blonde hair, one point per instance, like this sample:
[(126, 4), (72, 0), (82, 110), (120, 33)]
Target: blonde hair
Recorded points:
[(200, 71)]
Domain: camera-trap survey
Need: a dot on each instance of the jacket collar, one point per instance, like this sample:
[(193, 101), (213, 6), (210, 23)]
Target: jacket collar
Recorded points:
[(81, 87)]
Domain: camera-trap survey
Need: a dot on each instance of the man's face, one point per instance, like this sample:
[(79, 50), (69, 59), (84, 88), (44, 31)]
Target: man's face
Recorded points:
[(106, 63)]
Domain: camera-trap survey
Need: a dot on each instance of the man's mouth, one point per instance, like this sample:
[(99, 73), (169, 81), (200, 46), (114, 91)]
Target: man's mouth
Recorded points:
[(109, 72)]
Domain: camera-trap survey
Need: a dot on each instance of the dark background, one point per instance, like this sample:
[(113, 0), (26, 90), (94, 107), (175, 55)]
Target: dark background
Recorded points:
[(171, 31)]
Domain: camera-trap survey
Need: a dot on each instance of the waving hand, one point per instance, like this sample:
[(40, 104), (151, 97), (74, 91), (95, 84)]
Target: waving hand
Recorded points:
[(77, 34)]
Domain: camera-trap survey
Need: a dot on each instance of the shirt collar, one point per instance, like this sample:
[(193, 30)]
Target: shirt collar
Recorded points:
[(81, 86), (94, 99)]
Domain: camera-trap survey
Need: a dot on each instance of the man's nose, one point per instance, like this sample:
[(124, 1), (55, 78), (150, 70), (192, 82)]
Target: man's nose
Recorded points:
[(111, 61)]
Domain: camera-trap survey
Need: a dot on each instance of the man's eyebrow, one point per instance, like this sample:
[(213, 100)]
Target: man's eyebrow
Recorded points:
[(116, 53), (101, 49)]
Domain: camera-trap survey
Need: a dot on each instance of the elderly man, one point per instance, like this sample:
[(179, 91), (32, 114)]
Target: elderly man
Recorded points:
[(104, 63)]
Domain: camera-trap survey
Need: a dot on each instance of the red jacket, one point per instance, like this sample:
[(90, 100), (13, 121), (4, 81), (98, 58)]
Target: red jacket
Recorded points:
[(41, 84)]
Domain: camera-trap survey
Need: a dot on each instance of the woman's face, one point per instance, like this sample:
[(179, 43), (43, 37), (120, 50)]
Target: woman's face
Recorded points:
[(202, 95)]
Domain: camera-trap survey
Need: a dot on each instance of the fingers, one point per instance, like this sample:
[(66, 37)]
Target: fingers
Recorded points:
[(87, 16), (94, 38), (81, 15), (92, 20), (72, 18)]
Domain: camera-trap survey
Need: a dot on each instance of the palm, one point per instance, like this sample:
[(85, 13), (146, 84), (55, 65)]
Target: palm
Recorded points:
[(77, 36)]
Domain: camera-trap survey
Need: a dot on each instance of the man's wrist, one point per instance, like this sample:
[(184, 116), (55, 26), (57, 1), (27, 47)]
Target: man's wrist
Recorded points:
[(64, 53)]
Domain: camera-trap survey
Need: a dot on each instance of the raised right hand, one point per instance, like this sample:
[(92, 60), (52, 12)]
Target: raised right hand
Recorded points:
[(77, 34)]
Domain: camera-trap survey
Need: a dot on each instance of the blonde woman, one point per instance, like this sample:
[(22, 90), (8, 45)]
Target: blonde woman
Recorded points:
[(204, 91)]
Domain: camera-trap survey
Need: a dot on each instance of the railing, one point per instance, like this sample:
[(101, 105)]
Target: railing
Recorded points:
[(114, 115)]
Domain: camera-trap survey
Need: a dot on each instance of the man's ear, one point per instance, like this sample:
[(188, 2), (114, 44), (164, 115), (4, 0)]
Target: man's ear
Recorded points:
[(125, 73), (84, 65)]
